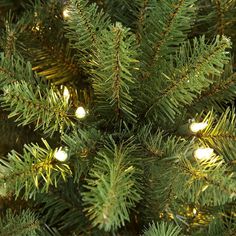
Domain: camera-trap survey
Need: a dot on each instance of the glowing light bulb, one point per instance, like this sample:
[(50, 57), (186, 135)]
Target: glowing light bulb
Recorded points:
[(60, 154), (36, 27), (66, 94), (80, 112), (66, 13), (203, 153), (195, 127)]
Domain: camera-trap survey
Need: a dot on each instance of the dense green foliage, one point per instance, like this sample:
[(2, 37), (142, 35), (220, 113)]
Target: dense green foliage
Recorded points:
[(143, 72)]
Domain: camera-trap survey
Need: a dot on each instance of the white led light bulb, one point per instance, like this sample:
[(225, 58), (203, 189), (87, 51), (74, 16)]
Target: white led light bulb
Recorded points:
[(80, 113), (60, 154), (66, 13), (195, 127), (203, 153), (66, 94)]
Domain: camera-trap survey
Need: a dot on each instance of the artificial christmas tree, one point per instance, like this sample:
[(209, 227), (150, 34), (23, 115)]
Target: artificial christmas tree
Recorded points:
[(117, 117)]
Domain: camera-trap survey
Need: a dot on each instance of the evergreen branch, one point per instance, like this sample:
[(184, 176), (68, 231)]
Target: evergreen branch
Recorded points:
[(216, 17), (162, 229), (219, 226), (227, 150), (5, 76), (219, 93), (6, 3), (174, 22), (115, 60), (141, 20), (113, 187), (62, 209), (26, 102), (9, 35), (220, 132), (218, 87), (159, 175), (35, 169), (220, 17), (208, 182), (222, 127), (16, 69), (157, 46), (49, 231), (86, 20), (189, 77), (54, 61), (158, 145), (102, 178), (124, 11), (220, 12), (5, 72), (82, 145), (84, 36), (24, 224), (10, 39), (44, 44), (79, 142)]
